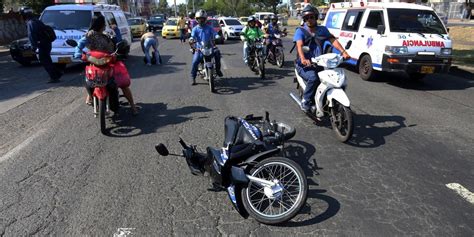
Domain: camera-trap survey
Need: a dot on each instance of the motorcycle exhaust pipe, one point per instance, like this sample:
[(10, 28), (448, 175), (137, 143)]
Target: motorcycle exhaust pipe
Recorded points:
[(295, 98)]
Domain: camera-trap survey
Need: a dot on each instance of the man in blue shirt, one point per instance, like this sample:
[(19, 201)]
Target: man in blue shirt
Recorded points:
[(313, 36), (203, 33), (38, 43)]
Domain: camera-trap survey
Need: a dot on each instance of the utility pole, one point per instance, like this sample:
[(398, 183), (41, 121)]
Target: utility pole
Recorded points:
[(175, 9)]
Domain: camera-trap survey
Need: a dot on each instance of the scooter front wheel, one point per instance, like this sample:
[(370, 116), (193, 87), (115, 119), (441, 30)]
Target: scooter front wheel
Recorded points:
[(342, 121), (282, 201)]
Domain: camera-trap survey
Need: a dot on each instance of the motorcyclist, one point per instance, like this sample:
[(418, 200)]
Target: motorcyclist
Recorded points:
[(313, 36), (203, 33), (250, 33), (270, 32), (191, 21)]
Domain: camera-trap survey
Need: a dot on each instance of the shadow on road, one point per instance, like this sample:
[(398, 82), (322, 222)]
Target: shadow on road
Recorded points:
[(234, 85), (139, 70), (151, 118), (302, 152), (370, 130)]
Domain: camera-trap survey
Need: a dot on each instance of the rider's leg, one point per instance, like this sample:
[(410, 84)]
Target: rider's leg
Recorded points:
[(196, 60), (312, 81), (128, 94), (246, 52), (156, 52), (217, 58)]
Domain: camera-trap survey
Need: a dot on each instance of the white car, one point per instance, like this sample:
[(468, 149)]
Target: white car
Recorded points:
[(231, 27)]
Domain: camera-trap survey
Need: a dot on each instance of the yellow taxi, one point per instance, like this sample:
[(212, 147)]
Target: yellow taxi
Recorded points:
[(137, 26), (170, 29)]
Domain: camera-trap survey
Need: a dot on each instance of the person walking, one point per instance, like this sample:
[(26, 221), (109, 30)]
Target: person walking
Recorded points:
[(41, 44), (148, 41), (182, 29)]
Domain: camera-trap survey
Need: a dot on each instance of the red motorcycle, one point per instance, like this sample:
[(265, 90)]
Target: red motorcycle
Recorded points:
[(100, 76)]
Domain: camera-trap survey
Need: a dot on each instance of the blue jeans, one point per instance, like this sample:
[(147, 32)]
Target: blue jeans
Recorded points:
[(310, 75), (198, 58), (151, 43), (246, 51)]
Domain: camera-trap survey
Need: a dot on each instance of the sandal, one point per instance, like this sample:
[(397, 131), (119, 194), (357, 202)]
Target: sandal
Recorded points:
[(88, 102)]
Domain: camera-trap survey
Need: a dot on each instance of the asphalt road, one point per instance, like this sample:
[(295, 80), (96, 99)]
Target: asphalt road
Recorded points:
[(60, 176)]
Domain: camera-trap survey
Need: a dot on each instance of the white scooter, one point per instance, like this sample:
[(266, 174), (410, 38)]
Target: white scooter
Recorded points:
[(330, 98)]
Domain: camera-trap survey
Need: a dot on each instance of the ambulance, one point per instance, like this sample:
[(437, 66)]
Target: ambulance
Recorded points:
[(390, 37), (71, 21)]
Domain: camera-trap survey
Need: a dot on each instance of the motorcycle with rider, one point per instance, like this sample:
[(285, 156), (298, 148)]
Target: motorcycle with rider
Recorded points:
[(253, 49), (206, 55), (273, 42)]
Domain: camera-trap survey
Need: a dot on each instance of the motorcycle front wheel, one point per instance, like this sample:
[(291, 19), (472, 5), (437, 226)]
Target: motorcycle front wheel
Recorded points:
[(102, 108), (261, 67), (210, 75), (278, 204), (342, 122), (279, 57)]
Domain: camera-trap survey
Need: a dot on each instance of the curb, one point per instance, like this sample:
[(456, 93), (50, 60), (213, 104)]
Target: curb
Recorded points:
[(4, 50)]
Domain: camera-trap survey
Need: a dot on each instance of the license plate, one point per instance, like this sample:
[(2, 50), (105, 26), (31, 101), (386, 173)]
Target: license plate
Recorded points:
[(64, 60), (27, 54), (427, 69)]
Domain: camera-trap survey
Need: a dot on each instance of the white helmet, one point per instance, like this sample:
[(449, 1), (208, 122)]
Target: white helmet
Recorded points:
[(201, 14)]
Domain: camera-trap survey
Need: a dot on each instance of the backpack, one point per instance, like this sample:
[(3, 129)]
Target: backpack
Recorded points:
[(47, 33)]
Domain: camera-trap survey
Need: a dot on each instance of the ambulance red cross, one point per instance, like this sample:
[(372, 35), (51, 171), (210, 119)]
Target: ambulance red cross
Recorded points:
[(391, 37)]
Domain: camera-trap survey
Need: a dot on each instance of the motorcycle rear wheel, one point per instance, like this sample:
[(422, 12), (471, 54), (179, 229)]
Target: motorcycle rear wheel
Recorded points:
[(287, 203), (102, 108), (342, 121)]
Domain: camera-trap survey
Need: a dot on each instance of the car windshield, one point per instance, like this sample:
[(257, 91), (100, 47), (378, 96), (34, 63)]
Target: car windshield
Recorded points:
[(414, 21), (232, 22), (156, 20), (244, 19), (67, 19), (171, 23), (134, 22), (213, 23)]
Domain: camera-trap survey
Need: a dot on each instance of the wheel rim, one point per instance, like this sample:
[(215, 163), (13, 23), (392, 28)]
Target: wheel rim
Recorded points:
[(281, 203), (365, 67)]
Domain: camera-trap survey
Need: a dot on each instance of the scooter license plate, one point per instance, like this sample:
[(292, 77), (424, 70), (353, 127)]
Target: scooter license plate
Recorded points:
[(64, 60), (427, 69)]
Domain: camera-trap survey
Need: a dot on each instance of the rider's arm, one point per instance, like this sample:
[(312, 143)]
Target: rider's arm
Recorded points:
[(142, 43), (80, 46), (243, 34), (299, 39), (339, 47)]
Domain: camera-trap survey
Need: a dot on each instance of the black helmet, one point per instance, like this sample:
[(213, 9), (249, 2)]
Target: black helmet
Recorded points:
[(309, 10), (26, 12), (251, 18), (274, 17), (191, 14)]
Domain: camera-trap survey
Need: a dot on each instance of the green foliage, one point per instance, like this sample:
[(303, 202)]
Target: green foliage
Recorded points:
[(37, 5), (162, 6)]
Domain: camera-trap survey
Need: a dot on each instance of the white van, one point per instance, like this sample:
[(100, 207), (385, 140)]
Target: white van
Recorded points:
[(261, 15), (71, 21), (391, 37)]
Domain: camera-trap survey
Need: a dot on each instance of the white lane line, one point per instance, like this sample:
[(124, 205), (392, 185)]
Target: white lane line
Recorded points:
[(22, 145), (462, 191), (224, 64)]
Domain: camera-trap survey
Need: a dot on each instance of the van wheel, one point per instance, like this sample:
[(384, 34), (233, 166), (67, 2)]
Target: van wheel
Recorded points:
[(366, 71)]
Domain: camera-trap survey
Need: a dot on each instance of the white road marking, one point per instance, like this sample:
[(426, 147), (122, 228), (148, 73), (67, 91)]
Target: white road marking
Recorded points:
[(22, 145), (224, 64), (462, 191)]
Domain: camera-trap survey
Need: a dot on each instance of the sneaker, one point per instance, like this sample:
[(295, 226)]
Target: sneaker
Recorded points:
[(305, 107), (193, 82), (148, 64), (246, 62), (219, 73)]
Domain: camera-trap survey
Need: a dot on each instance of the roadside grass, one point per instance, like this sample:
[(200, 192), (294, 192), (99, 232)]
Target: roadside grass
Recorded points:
[(463, 45)]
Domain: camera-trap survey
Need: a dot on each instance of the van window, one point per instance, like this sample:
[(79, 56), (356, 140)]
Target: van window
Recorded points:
[(352, 20), (335, 19), (414, 21), (110, 18), (120, 17), (67, 19), (375, 19)]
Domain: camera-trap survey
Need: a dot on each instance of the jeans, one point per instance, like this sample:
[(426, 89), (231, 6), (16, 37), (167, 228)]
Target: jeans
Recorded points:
[(310, 75), (198, 57), (44, 56), (151, 42), (183, 35), (246, 50)]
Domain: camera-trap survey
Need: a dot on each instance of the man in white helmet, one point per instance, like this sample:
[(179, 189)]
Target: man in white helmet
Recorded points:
[(203, 33)]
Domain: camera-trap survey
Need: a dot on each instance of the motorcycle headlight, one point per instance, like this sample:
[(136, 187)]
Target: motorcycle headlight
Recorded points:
[(207, 51), (446, 51), (396, 49), (332, 63)]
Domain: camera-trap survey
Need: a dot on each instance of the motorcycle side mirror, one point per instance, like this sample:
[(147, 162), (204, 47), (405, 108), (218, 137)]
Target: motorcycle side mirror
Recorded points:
[(162, 150), (348, 45), (380, 29), (305, 49), (71, 43), (218, 37)]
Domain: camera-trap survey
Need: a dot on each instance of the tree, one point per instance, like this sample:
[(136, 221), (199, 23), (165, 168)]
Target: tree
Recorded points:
[(163, 6), (269, 3), (37, 5)]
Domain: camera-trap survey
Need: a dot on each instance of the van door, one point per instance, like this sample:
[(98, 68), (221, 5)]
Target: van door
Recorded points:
[(123, 26), (350, 31), (373, 43)]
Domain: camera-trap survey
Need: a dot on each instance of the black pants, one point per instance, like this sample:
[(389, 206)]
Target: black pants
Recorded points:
[(44, 56)]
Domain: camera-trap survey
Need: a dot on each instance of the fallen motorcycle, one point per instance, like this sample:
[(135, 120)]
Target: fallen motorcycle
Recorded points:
[(269, 188)]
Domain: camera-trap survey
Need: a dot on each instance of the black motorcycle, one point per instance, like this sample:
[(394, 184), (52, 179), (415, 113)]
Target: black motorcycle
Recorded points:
[(275, 53), (259, 183), (256, 60)]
